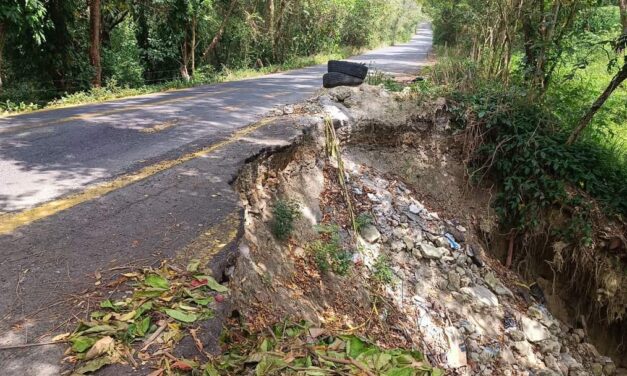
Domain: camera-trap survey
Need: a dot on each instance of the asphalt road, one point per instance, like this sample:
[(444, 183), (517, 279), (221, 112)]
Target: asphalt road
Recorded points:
[(128, 183)]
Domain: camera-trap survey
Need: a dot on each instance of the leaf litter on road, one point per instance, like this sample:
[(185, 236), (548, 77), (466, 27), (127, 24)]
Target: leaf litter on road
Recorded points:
[(164, 302)]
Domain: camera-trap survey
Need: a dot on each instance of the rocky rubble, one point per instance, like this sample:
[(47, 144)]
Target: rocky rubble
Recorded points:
[(470, 321)]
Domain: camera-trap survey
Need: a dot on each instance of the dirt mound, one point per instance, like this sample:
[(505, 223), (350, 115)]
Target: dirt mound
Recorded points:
[(388, 245)]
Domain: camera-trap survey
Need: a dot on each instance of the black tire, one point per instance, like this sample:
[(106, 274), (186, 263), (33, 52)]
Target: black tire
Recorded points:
[(352, 69), (335, 79)]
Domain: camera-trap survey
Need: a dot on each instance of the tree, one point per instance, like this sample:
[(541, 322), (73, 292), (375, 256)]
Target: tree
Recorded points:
[(220, 32), (16, 16), (94, 48), (616, 81)]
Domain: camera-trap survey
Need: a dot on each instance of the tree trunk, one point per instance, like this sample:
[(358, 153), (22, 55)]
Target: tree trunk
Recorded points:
[(623, 14), (620, 77), (185, 60), (218, 36), (271, 23), (94, 48), (585, 121), (2, 38), (193, 46)]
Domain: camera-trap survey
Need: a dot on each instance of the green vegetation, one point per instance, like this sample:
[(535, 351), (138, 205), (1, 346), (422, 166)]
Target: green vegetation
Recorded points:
[(383, 274), (164, 301), (328, 252), (301, 349), (380, 78), (63, 52), (542, 106), (284, 214), (362, 220)]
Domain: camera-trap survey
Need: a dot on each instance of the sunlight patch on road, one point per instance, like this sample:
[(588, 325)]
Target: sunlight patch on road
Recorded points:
[(12, 221), (212, 241), (92, 115)]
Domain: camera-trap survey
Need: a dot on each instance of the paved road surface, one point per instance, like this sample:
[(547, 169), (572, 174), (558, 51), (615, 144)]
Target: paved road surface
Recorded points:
[(131, 182)]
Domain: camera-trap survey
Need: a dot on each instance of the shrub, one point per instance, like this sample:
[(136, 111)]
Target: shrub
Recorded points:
[(284, 215), (383, 273), (328, 252)]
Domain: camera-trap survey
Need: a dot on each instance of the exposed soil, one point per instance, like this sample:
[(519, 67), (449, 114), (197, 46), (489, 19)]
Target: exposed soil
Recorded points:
[(403, 166)]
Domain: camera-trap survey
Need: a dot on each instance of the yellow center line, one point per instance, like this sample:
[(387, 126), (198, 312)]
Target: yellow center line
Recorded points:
[(9, 222), (90, 115)]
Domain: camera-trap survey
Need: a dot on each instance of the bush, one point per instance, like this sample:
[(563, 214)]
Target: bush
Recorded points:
[(284, 215), (328, 252), (383, 274)]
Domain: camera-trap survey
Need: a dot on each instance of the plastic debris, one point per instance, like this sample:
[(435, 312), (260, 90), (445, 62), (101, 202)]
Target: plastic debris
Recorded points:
[(452, 242)]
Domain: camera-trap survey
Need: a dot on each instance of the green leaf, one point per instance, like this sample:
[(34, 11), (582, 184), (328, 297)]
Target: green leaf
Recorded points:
[(355, 347), (81, 344), (142, 327), (101, 329), (143, 308), (213, 284), (107, 304), (93, 365), (405, 371), (157, 282), (181, 316), (211, 370), (149, 293), (193, 265), (269, 366)]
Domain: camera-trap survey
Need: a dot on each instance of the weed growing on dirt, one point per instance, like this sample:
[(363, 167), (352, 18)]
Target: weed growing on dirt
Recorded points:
[(362, 220), (383, 273), (380, 78), (328, 252), (284, 214)]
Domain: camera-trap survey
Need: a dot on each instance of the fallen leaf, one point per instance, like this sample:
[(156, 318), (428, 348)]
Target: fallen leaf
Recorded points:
[(181, 316), (61, 337), (212, 283), (93, 365), (104, 345), (184, 365), (81, 344), (157, 281), (193, 266)]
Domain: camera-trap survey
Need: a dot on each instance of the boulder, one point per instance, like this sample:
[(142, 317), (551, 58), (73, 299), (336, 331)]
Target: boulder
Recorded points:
[(431, 252), (370, 233), (497, 286), (481, 295), (534, 331)]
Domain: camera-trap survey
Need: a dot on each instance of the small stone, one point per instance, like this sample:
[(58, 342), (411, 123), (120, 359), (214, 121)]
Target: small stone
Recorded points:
[(551, 362), (523, 348), (550, 347), (597, 369), (288, 110), (516, 335), (397, 245), (370, 233), (569, 362), (496, 285), (432, 252), (580, 333), (414, 209), (440, 242), (609, 369), (534, 331), (454, 282), (409, 243), (482, 295)]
